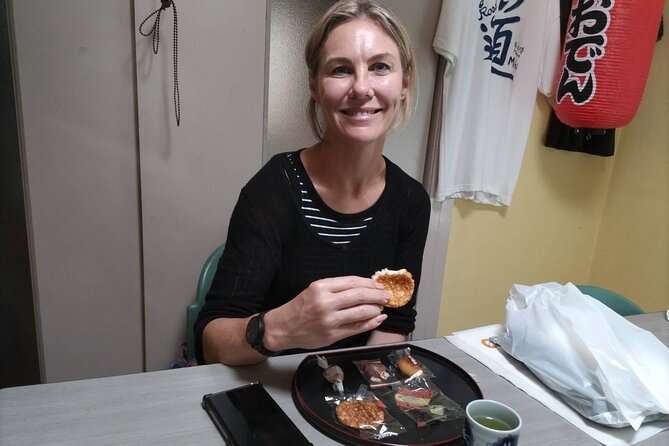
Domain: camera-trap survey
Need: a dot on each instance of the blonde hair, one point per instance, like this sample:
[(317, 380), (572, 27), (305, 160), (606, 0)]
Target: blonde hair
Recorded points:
[(345, 11)]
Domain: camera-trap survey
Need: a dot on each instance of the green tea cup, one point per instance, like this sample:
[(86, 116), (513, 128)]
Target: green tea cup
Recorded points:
[(491, 423)]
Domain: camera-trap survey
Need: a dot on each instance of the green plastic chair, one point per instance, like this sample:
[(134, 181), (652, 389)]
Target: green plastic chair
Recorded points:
[(620, 304), (203, 284)]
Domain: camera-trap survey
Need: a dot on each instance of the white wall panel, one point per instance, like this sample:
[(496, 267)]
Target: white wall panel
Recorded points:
[(191, 174), (74, 66)]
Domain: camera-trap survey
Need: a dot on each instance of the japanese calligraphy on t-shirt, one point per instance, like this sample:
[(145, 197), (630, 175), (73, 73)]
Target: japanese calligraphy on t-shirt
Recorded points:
[(497, 24), (498, 53)]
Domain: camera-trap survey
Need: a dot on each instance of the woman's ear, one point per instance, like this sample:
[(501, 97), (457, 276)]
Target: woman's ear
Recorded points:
[(405, 87), (313, 91)]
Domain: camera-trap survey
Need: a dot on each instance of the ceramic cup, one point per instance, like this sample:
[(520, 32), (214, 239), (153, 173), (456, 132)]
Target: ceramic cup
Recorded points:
[(490, 423)]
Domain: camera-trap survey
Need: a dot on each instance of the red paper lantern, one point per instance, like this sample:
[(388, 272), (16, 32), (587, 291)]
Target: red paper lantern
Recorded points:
[(605, 61)]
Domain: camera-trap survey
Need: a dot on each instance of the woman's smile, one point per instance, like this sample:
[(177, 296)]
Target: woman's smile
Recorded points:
[(361, 113)]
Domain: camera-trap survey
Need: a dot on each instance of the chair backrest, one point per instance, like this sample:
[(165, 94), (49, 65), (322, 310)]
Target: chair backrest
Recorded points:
[(620, 304), (203, 284)]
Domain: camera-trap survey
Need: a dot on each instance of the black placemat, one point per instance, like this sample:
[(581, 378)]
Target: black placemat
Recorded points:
[(309, 389)]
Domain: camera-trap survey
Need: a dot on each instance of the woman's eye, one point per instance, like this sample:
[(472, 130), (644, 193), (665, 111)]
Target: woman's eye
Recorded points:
[(340, 70), (380, 67)]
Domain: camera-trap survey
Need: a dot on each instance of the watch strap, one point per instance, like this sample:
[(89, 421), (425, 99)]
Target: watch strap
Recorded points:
[(257, 343)]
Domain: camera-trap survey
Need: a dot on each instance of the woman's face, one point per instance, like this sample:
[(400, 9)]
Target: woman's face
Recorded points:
[(360, 83)]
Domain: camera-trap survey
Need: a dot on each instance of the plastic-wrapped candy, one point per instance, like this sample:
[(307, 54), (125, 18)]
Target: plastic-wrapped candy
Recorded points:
[(333, 374), (407, 364), (375, 372)]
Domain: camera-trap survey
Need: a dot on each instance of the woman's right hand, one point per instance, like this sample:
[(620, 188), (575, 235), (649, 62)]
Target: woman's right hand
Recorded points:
[(325, 312)]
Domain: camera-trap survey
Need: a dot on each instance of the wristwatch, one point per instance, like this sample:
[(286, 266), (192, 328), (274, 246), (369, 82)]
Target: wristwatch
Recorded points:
[(255, 331)]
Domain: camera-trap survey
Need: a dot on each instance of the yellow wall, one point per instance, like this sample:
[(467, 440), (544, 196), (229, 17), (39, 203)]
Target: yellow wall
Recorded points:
[(632, 251), (574, 218)]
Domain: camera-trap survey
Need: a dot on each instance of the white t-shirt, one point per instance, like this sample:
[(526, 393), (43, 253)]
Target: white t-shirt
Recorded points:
[(498, 53)]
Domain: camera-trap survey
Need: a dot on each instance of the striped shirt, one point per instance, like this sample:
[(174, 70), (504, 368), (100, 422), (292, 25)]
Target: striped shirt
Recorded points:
[(326, 223)]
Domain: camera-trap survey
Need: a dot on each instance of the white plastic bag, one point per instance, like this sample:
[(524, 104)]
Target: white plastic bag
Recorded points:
[(606, 368)]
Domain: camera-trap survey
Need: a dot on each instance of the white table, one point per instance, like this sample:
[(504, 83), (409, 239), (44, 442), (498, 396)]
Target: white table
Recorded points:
[(163, 408)]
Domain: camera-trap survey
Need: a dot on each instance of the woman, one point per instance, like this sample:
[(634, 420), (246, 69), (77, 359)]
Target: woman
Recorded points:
[(312, 226)]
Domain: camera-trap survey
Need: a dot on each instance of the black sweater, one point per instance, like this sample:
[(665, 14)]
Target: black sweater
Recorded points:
[(271, 254)]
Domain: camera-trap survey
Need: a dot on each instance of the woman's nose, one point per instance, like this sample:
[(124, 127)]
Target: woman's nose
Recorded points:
[(362, 86)]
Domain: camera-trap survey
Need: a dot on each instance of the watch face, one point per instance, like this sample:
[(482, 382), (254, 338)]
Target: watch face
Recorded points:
[(252, 330)]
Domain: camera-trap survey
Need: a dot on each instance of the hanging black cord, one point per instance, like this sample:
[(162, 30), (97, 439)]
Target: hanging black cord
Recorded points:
[(155, 42)]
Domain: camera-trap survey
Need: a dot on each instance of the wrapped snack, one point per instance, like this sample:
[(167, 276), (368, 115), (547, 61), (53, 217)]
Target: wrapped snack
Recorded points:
[(408, 399), (359, 414), (375, 372), (365, 413), (333, 374), (408, 366), (426, 404)]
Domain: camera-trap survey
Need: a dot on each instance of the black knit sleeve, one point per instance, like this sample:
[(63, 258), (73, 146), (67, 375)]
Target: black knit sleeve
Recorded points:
[(414, 222), (251, 256)]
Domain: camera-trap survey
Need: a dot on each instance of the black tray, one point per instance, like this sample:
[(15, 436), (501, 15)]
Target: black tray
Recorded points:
[(309, 389)]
